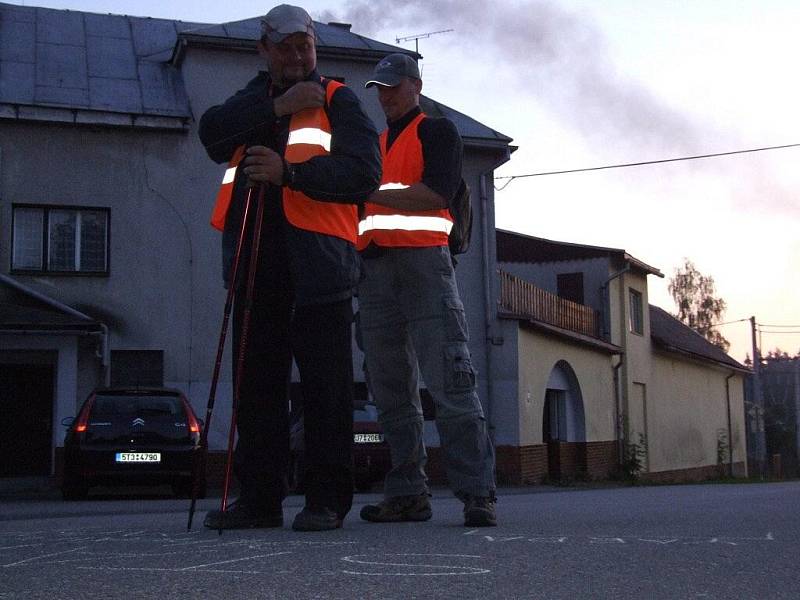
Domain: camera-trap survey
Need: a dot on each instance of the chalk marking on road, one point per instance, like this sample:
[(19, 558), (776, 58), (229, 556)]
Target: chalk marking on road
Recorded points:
[(225, 562), (165, 570), (32, 558), (460, 570), (613, 539)]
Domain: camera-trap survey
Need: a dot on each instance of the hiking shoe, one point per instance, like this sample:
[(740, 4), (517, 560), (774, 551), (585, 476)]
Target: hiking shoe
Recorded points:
[(399, 508), (241, 515), (316, 519), (479, 511)]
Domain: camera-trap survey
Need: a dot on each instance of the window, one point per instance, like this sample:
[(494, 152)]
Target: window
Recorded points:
[(56, 239), (570, 286), (636, 316)]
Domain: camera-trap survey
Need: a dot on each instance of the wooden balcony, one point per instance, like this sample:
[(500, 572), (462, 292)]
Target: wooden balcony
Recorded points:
[(523, 299)]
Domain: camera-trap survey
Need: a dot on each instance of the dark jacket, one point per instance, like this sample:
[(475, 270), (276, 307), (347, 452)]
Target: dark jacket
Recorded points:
[(322, 268)]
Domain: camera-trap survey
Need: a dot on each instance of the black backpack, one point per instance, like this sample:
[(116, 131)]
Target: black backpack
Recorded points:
[(461, 211)]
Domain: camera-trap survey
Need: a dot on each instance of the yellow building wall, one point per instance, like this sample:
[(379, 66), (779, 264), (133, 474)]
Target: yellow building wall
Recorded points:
[(538, 355), (687, 416)]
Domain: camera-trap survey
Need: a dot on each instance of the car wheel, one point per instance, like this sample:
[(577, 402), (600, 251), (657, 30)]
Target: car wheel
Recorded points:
[(74, 489), (182, 488)]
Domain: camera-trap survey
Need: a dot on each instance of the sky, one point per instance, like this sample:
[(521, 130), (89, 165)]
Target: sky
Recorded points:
[(581, 83)]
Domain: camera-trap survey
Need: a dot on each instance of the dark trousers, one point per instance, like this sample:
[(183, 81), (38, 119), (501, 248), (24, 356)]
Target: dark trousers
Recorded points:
[(318, 337)]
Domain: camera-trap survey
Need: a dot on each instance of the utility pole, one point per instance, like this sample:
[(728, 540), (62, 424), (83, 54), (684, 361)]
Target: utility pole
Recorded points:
[(758, 404), (418, 37)]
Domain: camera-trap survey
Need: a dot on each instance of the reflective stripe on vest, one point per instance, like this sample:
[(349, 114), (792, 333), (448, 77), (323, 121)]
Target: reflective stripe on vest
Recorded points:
[(310, 136), (405, 223), (403, 165), (225, 193)]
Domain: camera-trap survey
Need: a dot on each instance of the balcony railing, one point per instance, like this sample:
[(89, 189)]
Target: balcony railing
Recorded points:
[(520, 298)]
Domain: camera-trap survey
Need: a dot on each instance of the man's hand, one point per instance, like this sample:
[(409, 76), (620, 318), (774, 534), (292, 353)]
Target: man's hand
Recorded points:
[(306, 94), (263, 165)]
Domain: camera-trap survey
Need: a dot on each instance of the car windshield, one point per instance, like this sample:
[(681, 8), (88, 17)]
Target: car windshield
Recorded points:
[(108, 405), (369, 412)]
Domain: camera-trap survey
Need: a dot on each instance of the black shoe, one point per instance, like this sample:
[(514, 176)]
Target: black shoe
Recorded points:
[(316, 519), (399, 508), (479, 511), (241, 515)]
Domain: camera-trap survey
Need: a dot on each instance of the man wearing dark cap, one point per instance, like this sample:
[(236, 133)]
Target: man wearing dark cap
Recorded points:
[(310, 144), (411, 316)]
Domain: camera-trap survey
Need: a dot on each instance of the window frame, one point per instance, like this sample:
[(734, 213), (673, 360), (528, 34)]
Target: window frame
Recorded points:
[(46, 209), (633, 309)]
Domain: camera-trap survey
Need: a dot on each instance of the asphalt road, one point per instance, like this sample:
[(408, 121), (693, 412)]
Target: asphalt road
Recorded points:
[(693, 541)]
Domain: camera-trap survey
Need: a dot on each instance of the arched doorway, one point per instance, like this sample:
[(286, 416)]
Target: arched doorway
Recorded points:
[(564, 424)]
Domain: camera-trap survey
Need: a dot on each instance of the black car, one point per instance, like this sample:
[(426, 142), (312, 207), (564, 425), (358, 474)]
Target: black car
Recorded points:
[(139, 436), (371, 456)]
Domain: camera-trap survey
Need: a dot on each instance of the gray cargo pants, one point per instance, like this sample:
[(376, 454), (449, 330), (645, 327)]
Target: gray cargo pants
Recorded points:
[(411, 321)]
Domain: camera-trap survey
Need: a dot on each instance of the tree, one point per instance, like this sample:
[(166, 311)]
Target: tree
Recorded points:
[(698, 307)]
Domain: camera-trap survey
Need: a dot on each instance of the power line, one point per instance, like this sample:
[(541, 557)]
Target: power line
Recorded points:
[(729, 322), (775, 332), (787, 326), (641, 163)]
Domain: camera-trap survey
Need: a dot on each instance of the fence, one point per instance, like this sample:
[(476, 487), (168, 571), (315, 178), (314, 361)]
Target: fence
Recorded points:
[(521, 298)]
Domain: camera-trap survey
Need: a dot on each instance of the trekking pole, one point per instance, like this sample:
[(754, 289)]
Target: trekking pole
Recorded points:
[(199, 464), (248, 305)]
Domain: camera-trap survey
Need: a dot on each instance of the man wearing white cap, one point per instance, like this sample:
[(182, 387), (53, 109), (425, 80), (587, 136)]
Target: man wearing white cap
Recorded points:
[(310, 144), (411, 316)]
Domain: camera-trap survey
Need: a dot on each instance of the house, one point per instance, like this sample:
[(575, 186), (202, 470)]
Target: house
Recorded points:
[(110, 272), (592, 374), (106, 194)]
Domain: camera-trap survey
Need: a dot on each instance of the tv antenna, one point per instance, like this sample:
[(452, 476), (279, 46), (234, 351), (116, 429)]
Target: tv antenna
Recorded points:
[(419, 37)]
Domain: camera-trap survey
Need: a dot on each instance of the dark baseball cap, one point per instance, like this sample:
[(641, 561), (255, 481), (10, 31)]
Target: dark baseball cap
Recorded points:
[(284, 20), (391, 70)]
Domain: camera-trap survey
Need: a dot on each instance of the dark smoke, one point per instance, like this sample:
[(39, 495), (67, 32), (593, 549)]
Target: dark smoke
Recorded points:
[(562, 59)]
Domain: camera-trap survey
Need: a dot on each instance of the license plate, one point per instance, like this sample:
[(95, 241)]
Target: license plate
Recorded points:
[(138, 457), (367, 438)]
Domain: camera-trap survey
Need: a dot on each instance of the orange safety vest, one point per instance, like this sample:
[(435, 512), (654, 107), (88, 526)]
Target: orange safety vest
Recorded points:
[(225, 193), (309, 136), (403, 166)]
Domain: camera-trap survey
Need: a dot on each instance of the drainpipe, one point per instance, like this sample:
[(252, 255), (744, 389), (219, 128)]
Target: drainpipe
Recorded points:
[(618, 410), (487, 300), (104, 336), (607, 300), (488, 276), (617, 379), (730, 428)]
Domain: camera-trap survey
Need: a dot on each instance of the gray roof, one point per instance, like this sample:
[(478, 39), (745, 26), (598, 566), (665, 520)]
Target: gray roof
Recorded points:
[(469, 128), (518, 247), (71, 59), (124, 70), (672, 335), (331, 38)]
